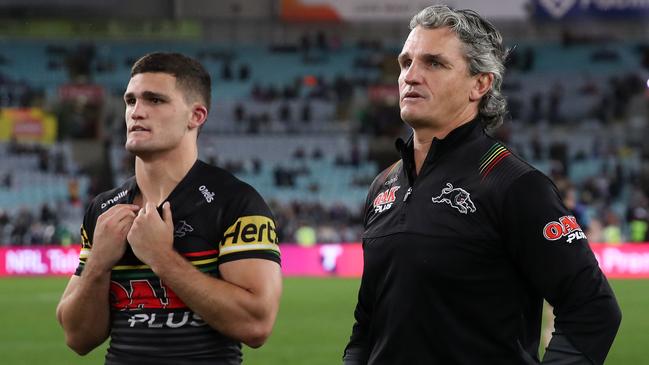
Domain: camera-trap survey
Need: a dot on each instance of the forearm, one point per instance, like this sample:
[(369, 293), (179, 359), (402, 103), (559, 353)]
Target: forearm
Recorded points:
[(235, 311), (84, 312)]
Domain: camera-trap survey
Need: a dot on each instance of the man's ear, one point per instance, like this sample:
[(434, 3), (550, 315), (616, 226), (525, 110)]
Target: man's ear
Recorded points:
[(481, 86), (198, 116)]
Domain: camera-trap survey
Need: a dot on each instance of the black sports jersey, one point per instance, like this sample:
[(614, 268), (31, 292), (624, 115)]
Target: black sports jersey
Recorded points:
[(217, 218), (458, 259)]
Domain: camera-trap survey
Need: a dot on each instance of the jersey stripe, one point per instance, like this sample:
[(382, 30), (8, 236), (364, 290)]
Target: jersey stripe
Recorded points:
[(248, 247), (496, 154), (201, 253)]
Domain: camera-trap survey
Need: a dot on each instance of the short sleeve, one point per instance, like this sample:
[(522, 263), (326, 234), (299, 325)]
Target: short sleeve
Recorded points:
[(250, 229), (86, 230)]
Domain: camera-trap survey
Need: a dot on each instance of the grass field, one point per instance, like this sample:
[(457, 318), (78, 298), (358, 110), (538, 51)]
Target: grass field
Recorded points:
[(312, 328)]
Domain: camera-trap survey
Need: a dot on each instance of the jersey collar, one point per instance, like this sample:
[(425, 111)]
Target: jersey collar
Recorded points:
[(131, 184)]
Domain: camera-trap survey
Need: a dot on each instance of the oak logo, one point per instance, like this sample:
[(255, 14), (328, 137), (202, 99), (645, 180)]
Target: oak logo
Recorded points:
[(253, 232), (567, 226), (384, 200), (170, 320), (143, 294)]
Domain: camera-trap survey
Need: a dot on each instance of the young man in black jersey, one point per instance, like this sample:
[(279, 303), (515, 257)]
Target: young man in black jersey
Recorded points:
[(463, 240), (179, 264)]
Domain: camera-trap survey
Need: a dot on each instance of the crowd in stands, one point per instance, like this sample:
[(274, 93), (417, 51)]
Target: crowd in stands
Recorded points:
[(612, 204), (31, 227)]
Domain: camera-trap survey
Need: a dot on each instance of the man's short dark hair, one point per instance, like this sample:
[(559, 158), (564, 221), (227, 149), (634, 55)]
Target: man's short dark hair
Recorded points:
[(190, 75)]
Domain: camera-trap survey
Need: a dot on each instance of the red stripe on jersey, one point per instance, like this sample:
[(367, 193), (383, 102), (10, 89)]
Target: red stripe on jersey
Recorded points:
[(494, 163), (201, 253)]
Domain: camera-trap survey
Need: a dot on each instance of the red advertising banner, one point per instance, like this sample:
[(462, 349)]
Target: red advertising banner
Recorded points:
[(626, 261), (89, 92)]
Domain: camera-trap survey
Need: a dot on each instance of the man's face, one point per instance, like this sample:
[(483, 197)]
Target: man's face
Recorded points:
[(434, 83), (157, 114)]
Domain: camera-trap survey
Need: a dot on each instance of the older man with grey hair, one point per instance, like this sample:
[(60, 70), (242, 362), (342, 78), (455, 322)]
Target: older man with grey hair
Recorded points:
[(463, 240)]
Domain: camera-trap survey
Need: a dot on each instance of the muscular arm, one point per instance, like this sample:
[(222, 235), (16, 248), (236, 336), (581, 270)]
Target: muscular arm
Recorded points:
[(242, 304), (83, 310)]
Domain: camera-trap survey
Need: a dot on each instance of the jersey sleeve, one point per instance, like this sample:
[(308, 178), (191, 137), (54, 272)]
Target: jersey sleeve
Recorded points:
[(356, 352), (250, 229), (552, 252), (86, 230)]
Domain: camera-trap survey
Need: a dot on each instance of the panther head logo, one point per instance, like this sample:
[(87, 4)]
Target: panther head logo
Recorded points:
[(182, 228), (458, 198)]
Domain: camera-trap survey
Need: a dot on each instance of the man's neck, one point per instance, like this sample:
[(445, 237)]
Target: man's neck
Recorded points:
[(423, 139), (157, 176)]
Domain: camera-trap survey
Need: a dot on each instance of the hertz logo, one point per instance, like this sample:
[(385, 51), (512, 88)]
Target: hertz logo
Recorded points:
[(254, 232)]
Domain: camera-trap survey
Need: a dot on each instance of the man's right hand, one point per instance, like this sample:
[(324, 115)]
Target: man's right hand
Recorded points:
[(109, 239)]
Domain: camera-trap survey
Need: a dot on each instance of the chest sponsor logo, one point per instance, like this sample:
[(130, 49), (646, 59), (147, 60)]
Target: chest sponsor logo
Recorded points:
[(385, 199), (208, 195), (566, 226), (182, 228), (143, 294), (114, 199), (170, 320), (458, 198)]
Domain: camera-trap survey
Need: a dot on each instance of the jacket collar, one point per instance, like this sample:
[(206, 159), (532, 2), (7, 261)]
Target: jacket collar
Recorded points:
[(439, 147)]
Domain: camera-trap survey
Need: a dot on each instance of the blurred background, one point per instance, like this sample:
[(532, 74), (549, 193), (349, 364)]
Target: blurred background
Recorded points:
[(305, 110)]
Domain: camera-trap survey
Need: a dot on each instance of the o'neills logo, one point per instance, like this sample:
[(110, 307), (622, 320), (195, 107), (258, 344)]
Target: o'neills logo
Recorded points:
[(114, 199), (209, 196), (384, 200), (567, 226)]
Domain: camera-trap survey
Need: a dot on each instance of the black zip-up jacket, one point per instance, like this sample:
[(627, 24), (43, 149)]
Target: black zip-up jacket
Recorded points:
[(458, 261)]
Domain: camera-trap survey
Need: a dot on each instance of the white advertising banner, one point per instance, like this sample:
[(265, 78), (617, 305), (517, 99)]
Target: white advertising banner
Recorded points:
[(391, 10)]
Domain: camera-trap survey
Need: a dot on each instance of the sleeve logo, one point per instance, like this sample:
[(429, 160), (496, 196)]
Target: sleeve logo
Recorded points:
[(254, 232), (567, 226)]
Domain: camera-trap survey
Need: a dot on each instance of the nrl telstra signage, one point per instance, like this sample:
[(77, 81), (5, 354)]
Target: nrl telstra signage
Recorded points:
[(600, 9)]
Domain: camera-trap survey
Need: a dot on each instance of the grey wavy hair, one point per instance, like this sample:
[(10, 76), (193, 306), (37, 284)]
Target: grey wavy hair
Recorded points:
[(484, 51)]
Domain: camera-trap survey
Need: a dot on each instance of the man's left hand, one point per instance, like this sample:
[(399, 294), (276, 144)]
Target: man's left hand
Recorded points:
[(151, 237)]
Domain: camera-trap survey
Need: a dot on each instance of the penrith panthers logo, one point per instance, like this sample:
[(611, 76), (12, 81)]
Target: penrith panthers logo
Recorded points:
[(182, 228), (458, 198)]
